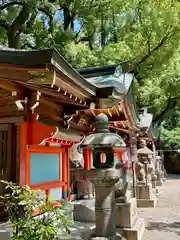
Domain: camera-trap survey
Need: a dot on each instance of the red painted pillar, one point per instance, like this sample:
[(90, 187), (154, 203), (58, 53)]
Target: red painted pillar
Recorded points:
[(68, 170), (90, 158), (64, 171), (86, 158)]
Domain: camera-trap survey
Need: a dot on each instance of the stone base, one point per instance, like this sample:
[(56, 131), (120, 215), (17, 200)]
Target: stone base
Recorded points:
[(134, 233), (154, 183), (147, 203), (78, 231), (144, 191), (128, 222), (159, 183), (84, 210), (126, 214), (118, 236), (5, 235), (145, 196)]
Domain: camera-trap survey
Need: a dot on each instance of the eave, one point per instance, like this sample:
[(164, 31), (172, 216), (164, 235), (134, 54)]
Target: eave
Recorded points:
[(48, 67), (50, 63)]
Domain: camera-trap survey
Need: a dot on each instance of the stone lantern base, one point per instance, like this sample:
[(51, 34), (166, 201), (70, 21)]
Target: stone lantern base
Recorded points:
[(159, 183), (104, 181), (160, 178), (145, 197), (164, 179), (154, 181), (128, 222)]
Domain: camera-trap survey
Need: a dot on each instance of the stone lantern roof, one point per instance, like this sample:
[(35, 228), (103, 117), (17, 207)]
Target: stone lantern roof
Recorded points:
[(144, 151), (103, 138)]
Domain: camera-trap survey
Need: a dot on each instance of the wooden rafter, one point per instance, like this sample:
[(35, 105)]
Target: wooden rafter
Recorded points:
[(119, 129), (12, 87), (53, 94)]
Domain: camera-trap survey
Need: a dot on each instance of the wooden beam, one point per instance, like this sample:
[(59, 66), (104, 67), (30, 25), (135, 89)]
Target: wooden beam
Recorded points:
[(120, 129), (23, 68), (79, 128), (6, 120), (12, 87), (117, 118), (49, 113)]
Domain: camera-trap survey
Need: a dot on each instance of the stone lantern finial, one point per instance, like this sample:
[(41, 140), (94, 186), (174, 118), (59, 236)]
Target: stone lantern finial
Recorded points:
[(101, 123)]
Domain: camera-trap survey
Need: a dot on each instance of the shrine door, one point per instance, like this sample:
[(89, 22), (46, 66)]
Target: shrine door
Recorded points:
[(6, 159)]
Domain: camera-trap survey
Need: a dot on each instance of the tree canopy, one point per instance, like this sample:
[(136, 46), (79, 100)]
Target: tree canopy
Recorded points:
[(144, 33)]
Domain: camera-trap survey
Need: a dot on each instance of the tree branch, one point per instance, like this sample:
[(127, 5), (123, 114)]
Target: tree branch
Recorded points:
[(170, 105), (48, 14), (30, 23), (22, 17), (78, 33), (18, 24), (160, 44), (136, 66)]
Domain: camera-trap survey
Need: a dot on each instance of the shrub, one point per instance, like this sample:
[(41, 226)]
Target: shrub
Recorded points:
[(20, 202)]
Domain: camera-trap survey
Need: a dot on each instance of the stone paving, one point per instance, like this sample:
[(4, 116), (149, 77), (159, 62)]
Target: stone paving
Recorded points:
[(163, 222)]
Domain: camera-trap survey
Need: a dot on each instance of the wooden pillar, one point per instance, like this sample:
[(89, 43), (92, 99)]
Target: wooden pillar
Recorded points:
[(25, 139)]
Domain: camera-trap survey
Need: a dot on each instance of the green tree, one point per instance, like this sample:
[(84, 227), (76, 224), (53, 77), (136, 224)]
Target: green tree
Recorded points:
[(95, 32)]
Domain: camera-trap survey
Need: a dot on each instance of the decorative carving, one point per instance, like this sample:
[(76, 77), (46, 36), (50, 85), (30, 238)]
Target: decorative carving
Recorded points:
[(159, 169), (140, 172), (123, 188), (76, 154)]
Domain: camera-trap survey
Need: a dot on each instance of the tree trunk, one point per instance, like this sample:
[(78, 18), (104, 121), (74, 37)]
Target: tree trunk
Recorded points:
[(68, 19), (103, 37), (13, 40)]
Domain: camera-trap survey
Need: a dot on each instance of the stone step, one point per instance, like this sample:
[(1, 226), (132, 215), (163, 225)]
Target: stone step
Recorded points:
[(134, 233)]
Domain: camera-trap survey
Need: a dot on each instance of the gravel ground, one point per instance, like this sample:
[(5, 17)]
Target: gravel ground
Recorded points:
[(163, 222)]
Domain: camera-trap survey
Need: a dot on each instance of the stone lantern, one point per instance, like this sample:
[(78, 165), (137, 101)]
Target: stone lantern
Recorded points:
[(145, 176), (104, 177), (145, 160)]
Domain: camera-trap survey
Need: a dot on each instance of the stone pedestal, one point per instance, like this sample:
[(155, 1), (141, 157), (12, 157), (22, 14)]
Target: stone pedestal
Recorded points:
[(127, 220), (105, 207), (159, 183), (154, 182), (145, 197), (5, 235), (164, 179), (160, 177)]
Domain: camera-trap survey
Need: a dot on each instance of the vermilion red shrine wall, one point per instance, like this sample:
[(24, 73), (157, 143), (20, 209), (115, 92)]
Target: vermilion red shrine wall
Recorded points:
[(31, 133)]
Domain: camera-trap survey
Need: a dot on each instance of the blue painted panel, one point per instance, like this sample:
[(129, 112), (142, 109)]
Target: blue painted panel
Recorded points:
[(44, 168)]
